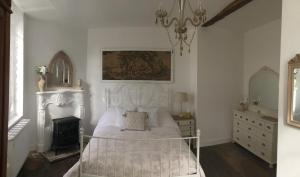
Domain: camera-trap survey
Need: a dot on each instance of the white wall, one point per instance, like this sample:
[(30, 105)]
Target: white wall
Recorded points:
[(219, 84), (288, 137), (132, 38), (261, 48), (42, 40)]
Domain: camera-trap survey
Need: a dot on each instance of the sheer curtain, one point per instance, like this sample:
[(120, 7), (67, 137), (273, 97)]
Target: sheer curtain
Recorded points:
[(16, 66)]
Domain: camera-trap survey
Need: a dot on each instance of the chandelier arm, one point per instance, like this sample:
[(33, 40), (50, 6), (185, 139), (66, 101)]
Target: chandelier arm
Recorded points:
[(167, 25), (188, 19)]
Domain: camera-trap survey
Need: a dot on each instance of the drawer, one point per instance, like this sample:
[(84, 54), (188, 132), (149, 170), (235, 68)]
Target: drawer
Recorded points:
[(238, 123), (269, 127), (238, 137), (264, 146), (186, 128), (264, 135), (237, 130), (250, 138), (264, 154), (251, 129), (253, 121), (238, 115), (250, 146), (247, 119), (260, 124), (186, 133), (185, 122)]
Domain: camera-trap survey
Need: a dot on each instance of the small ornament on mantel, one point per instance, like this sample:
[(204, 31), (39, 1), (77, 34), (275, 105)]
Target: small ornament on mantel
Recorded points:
[(244, 105), (42, 72), (79, 84)]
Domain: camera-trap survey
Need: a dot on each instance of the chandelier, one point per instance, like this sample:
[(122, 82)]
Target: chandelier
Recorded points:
[(183, 36)]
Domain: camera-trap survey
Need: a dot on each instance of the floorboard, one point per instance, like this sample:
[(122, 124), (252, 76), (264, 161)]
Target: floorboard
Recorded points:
[(226, 160)]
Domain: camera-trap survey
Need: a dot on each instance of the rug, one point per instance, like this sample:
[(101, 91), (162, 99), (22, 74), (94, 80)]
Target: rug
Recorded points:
[(51, 157)]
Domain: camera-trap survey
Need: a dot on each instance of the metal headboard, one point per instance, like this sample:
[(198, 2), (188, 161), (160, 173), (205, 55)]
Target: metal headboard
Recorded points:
[(145, 95)]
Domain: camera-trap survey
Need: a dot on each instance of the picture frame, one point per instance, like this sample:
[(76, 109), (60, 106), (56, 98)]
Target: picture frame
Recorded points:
[(146, 65)]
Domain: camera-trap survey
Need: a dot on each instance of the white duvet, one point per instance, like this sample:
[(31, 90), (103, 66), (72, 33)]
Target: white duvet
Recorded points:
[(125, 156)]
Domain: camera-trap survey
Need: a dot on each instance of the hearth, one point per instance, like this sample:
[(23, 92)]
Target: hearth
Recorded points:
[(65, 133)]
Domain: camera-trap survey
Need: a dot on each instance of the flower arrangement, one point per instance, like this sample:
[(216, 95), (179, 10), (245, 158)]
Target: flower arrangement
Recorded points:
[(41, 70)]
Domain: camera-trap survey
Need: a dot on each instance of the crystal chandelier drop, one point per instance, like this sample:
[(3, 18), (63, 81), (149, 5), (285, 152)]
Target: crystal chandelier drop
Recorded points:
[(183, 36)]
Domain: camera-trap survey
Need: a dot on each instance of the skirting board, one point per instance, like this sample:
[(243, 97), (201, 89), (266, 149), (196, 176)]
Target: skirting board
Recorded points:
[(213, 142)]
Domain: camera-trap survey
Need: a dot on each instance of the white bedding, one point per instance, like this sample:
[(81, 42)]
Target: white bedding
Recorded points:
[(136, 158)]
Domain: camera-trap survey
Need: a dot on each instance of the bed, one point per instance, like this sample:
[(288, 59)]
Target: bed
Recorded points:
[(159, 151)]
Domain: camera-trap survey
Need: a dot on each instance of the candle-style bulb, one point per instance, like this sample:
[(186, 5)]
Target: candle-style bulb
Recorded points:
[(160, 5)]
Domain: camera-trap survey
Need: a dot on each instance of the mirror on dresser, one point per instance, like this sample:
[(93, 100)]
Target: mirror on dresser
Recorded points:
[(264, 89), (293, 117), (255, 129)]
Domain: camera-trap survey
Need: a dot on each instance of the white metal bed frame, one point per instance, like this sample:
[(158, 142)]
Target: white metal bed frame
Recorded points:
[(147, 95), (82, 173)]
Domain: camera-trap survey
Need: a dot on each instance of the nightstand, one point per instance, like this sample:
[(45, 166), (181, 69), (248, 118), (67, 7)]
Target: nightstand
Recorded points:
[(186, 125)]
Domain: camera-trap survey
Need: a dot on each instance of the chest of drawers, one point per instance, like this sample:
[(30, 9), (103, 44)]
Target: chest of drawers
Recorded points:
[(257, 134)]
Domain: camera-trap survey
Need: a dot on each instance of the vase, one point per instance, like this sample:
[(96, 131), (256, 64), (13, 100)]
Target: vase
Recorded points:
[(41, 83)]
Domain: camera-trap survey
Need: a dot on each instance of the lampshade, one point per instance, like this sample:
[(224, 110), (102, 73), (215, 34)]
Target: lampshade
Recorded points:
[(181, 97)]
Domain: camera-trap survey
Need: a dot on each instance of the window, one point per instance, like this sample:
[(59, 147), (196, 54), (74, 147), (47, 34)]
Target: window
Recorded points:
[(16, 66)]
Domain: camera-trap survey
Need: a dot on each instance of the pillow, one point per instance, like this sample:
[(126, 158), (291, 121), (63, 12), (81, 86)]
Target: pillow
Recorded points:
[(134, 121), (120, 112), (109, 118), (152, 114)]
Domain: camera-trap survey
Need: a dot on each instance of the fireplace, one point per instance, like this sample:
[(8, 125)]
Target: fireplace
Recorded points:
[(52, 105), (65, 133)]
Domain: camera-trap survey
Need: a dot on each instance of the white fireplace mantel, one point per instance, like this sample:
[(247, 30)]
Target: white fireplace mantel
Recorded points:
[(56, 104)]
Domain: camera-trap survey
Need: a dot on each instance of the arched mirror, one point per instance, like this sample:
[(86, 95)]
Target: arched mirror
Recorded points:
[(60, 71), (264, 89)]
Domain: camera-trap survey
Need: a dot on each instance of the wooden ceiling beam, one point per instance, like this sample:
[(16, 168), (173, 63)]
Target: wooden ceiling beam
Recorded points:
[(229, 9)]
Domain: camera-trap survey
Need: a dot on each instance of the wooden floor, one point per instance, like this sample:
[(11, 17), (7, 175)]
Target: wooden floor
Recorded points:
[(231, 160), (37, 166), (226, 160)]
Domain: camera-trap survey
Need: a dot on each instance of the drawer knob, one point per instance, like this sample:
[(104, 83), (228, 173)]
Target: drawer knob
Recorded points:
[(262, 153), (249, 128), (253, 121), (237, 131), (247, 119), (264, 135), (238, 123), (268, 127), (249, 137), (235, 114), (263, 144), (240, 116), (260, 124)]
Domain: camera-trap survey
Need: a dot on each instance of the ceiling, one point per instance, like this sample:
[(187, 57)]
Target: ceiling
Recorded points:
[(115, 13), (254, 14)]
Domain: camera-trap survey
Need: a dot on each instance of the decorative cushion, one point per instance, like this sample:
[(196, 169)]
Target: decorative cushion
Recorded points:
[(134, 121), (120, 112)]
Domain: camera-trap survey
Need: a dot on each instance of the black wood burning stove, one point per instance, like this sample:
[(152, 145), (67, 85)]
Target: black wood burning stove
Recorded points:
[(65, 133)]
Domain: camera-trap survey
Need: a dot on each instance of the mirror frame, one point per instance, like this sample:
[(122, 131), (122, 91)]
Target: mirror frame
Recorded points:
[(292, 64), (61, 55)]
